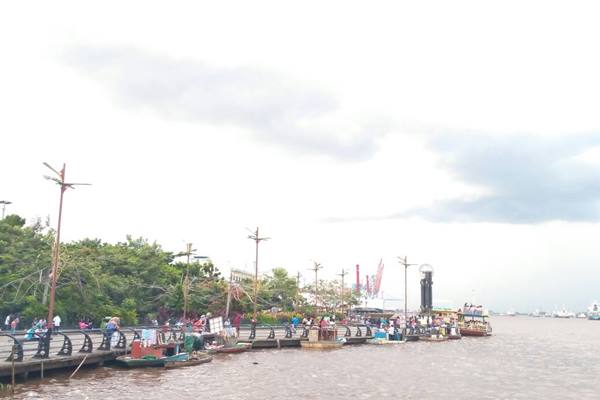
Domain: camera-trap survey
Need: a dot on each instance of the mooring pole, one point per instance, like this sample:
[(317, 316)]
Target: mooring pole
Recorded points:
[(14, 351)]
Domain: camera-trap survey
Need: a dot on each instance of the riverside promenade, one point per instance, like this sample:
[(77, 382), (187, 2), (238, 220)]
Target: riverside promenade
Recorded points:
[(69, 348)]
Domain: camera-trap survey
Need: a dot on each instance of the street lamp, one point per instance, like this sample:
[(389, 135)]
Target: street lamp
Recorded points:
[(404, 261), (426, 272), (4, 204)]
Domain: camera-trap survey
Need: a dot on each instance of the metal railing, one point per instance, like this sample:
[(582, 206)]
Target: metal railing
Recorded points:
[(64, 343)]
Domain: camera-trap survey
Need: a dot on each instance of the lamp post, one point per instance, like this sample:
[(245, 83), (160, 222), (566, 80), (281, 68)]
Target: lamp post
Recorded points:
[(4, 204), (343, 274), (404, 261), (56, 253)]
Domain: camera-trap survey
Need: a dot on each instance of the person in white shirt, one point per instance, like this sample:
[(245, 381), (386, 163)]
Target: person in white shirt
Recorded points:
[(7, 322), (56, 322)]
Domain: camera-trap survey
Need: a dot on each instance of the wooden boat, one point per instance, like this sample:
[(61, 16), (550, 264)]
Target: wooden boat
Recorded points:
[(474, 332), (150, 360), (473, 321), (322, 339), (153, 353), (455, 337), (236, 348), (412, 337), (146, 361), (193, 360)]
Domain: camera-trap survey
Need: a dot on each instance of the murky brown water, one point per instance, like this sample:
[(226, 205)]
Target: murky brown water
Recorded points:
[(527, 358)]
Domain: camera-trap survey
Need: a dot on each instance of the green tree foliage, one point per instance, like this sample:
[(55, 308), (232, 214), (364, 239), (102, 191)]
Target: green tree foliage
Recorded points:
[(134, 279), (279, 290), (330, 297), (25, 260)]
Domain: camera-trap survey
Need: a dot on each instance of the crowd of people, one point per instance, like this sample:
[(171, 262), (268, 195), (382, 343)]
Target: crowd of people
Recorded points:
[(38, 327)]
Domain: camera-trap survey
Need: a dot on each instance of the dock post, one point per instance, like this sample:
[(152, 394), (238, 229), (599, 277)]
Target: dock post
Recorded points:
[(42, 369), (12, 386)]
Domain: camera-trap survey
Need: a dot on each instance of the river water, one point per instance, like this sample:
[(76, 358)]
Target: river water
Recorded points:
[(527, 358)]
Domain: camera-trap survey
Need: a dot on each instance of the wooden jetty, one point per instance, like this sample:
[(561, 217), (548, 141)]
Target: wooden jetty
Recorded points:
[(64, 350), (68, 349)]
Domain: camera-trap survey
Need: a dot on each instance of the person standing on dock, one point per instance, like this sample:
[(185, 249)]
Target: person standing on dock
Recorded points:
[(13, 324), (7, 322), (236, 323), (56, 321)]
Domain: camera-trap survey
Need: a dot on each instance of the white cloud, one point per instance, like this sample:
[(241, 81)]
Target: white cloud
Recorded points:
[(359, 84)]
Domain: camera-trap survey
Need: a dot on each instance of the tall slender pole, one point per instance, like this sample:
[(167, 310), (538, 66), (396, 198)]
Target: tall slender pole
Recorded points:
[(404, 261), (316, 268), (405, 294), (357, 280), (297, 290), (186, 281), (56, 255), (344, 273), (228, 295), (257, 239)]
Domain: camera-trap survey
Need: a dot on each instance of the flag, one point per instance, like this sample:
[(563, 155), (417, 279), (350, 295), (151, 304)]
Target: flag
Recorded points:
[(377, 282)]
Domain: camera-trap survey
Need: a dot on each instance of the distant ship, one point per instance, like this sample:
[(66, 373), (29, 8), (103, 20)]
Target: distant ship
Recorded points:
[(562, 313), (511, 313), (537, 313), (594, 311)]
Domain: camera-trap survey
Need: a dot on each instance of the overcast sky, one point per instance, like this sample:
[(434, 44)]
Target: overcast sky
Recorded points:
[(462, 134)]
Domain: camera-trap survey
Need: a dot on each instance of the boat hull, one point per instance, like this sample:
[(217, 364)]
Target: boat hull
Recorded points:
[(321, 345), (474, 332), (129, 362), (188, 363), (433, 338), (384, 341), (239, 348)]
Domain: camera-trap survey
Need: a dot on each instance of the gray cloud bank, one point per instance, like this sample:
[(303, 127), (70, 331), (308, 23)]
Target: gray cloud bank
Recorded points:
[(276, 109), (528, 179)]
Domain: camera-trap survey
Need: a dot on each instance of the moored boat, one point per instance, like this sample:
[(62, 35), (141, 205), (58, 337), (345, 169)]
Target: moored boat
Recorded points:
[(380, 341), (150, 360), (594, 312), (229, 349), (473, 321), (322, 339), (146, 361), (322, 344), (195, 359), (562, 313), (152, 351)]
